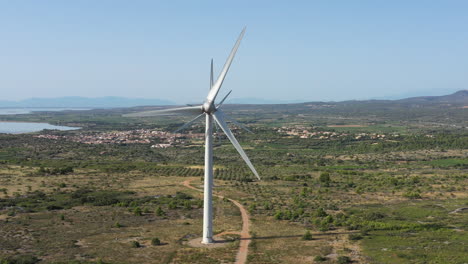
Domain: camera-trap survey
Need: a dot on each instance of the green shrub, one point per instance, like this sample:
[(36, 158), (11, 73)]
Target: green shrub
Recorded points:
[(155, 241), (324, 226), (307, 236), (320, 258), (137, 211), (187, 205), (343, 260), (365, 231), (21, 259), (160, 212), (172, 205), (325, 178), (321, 212), (279, 215), (372, 216), (54, 207), (135, 244), (412, 195), (355, 237), (183, 196)]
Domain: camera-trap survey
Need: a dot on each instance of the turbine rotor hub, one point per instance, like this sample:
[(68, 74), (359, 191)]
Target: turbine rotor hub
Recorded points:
[(209, 107)]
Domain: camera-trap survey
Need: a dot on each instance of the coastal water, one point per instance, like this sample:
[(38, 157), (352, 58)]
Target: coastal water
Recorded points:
[(27, 127), (19, 111)]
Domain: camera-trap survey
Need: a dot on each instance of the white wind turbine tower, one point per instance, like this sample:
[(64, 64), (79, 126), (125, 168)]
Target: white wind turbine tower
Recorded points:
[(213, 113)]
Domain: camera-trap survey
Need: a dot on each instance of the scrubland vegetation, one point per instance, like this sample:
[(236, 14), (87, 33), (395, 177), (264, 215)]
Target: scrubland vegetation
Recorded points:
[(397, 198)]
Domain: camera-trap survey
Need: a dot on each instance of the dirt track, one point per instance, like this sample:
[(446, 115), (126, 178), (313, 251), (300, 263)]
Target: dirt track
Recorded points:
[(241, 257)]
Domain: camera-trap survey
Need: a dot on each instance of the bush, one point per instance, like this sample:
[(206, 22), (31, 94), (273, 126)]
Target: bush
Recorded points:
[(54, 207), (355, 237), (412, 195), (365, 231), (172, 205), (183, 196), (155, 241), (279, 215), (372, 216), (320, 258), (325, 178), (137, 211), (56, 171), (324, 226), (160, 212), (307, 236), (187, 205), (135, 244), (22, 259), (321, 212), (343, 260)]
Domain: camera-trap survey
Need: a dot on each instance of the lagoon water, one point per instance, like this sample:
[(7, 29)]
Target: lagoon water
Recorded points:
[(19, 111), (27, 127)]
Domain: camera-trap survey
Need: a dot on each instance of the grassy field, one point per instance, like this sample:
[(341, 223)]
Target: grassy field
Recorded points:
[(348, 197), (374, 226)]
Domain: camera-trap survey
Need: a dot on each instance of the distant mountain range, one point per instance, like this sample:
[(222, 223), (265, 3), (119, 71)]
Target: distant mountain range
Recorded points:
[(85, 102), (460, 97), (253, 100), (457, 97)]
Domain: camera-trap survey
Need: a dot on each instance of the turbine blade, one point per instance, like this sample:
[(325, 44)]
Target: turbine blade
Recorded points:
[(211, 75), (217, 129), (235, 122), (217, 85), (222, 101), (182, 110), (188, 123), (218, 117)]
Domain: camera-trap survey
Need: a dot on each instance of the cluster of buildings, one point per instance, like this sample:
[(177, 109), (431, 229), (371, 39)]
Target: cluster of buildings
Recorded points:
[(303, 132), (54, 137), (161, 139), (370, 135)]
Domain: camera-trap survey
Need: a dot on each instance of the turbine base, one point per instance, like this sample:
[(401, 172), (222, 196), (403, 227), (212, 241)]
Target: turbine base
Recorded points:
[(207, 240), (216, 242)]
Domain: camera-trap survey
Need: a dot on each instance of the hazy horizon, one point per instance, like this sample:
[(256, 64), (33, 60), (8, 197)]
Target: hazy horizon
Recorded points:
[(303, 51), (257, 100)]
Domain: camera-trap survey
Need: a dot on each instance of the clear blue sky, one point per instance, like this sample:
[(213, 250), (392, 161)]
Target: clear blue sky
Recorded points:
[(293, 50)]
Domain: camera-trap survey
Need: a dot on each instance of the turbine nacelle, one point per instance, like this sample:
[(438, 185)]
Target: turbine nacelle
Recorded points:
[(209, 107)]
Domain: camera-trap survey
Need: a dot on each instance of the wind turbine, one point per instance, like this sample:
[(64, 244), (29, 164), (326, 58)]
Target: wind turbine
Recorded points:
[(212, 113)]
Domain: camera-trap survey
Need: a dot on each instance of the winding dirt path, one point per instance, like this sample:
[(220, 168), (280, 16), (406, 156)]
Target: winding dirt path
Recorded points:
[(241, 257)]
